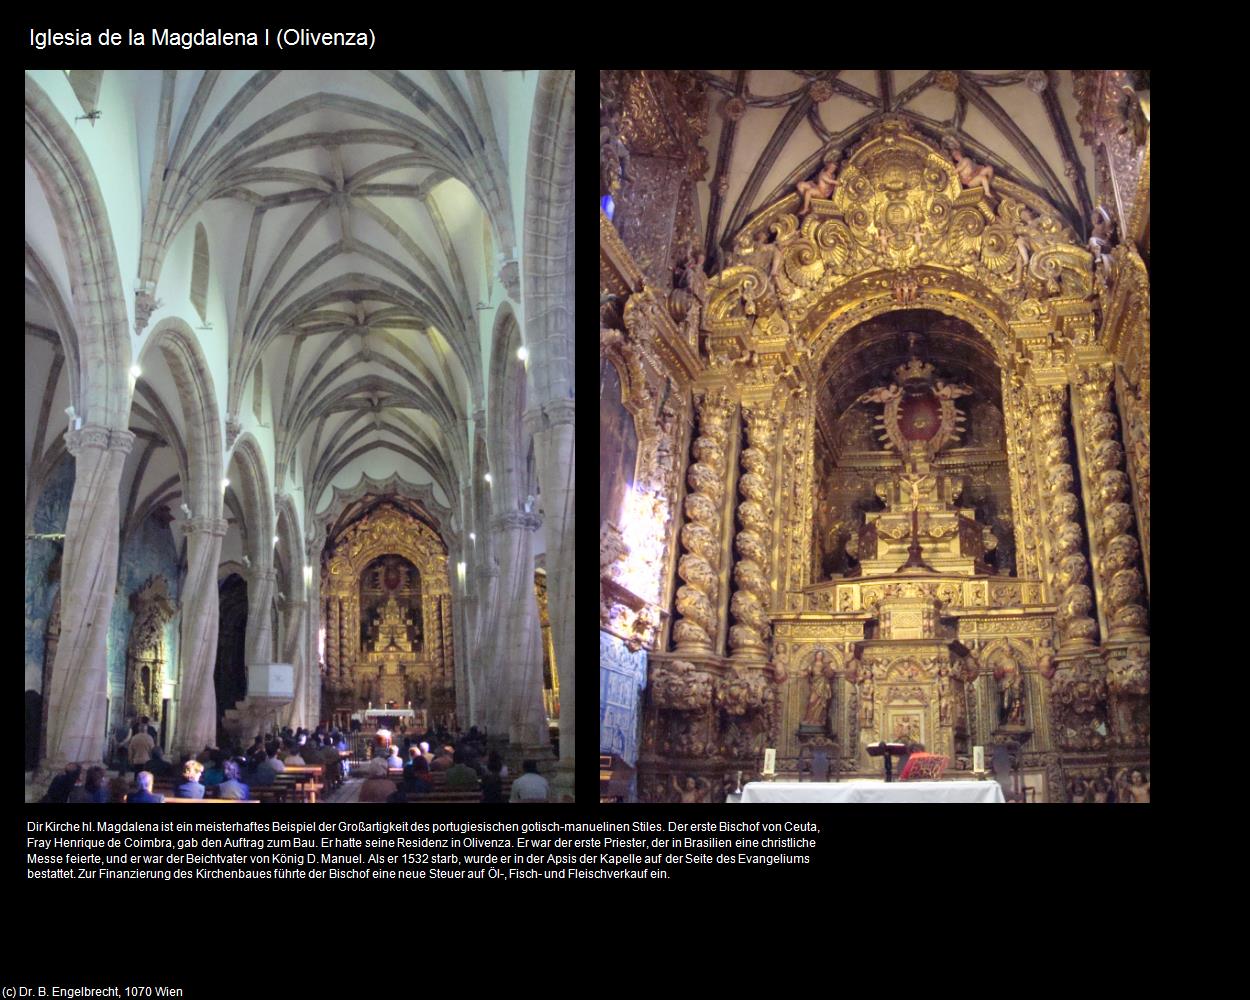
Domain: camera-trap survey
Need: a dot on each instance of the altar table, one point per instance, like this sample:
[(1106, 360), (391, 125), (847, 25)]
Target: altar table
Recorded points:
[(872, 791)]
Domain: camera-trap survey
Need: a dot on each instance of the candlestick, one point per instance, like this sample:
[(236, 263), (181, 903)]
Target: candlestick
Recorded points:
[(770, 761), (978, 759)]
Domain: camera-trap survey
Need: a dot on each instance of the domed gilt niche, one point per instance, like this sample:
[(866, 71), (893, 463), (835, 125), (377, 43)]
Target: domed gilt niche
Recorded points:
[(854, 450)]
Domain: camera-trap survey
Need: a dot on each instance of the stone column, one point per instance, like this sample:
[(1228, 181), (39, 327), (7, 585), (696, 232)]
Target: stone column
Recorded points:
[(1077, 629), (79, 682), (1113, 545), (312, 624), (294, 654), (522, 655), (260, 597), (484, 666), (699, 567), (750, 603), (554, 439), (198, 645)]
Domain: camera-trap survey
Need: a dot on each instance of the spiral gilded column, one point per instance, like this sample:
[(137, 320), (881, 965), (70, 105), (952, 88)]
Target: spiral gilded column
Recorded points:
[(1070, 567), (750, 602), (1115, 550), (701, 534)]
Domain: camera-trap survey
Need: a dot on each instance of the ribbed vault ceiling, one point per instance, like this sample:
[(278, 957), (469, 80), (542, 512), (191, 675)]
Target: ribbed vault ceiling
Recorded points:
[(1023, 122)]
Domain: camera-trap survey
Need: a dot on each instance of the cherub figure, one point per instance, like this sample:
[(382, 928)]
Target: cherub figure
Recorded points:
[(694, 790), (969, 172), (822, 187), (881, 395)]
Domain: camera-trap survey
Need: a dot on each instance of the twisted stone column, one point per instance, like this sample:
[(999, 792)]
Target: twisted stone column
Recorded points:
[(197, 727), (484, 668), (1115, 549), (521, 665), (701, 534), (750, 602), (294, 654), (259, 599), (554, 440), (1070, 568), (79, 682)]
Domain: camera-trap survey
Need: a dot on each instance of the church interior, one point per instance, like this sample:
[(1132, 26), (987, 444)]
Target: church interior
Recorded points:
[(299, 424), (874, 432)]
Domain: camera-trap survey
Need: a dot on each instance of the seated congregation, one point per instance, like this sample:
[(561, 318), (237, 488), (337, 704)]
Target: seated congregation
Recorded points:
[(306, 767)]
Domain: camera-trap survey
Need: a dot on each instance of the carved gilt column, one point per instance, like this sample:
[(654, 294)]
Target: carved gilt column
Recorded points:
[(1114, 547), (701, 534), (197, 705), (1070, 568), (1030, 555), (750, 603)]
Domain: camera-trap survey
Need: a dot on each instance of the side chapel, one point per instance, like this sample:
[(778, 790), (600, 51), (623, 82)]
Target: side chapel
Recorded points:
[(875, 425)]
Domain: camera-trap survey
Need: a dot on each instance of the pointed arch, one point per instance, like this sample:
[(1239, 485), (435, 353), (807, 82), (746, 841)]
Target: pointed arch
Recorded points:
[(178, 345), (549, 197), (70, 185)]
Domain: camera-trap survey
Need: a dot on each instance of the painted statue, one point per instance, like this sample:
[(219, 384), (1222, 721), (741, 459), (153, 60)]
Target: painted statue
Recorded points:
[(820, 693), (822, 187), (969, 172)]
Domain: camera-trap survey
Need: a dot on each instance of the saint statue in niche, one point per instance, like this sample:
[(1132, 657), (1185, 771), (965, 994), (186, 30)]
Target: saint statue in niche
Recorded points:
[(820, 693)]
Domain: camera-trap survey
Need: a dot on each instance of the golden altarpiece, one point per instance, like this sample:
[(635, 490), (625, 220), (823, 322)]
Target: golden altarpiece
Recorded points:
[(388, 618), (891, 477)]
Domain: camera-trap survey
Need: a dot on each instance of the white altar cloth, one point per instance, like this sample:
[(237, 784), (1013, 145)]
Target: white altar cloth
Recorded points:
[(872, 791)]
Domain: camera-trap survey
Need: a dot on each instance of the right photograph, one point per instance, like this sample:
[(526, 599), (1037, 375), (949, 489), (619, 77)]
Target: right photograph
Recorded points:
[(874, 490)]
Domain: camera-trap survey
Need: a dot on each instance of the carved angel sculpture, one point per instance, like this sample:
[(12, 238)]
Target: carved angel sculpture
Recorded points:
[(969, 172), (881, 395), (822, 187), (950, 390)]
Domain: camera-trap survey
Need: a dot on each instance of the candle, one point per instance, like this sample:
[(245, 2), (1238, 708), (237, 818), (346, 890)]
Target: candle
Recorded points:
[(770, 761), (978, 759)]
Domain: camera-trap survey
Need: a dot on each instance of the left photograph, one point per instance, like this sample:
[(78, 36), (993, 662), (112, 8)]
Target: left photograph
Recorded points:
[(299, 438)]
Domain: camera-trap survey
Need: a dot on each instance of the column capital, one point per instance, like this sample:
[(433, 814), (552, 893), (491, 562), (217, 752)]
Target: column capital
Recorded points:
[(216, 526), (98, 437), (549, 414), (513, 520)]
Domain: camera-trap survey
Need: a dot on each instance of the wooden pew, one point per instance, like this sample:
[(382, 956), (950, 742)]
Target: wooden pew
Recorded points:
[(213, 802)]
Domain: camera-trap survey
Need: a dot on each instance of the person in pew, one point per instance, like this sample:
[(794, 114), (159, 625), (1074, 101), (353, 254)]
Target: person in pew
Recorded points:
[(492, 783), (418, 767), (267, 767), (119, 788), (393, 759), (444, 760), (143, 790), (232, 787), (293, 757), (93, 788), (214, 772), (461, 774), (531, 786), (191, 787), (63, 784)]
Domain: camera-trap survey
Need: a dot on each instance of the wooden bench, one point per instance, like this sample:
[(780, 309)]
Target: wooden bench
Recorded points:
[(212, 802)]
